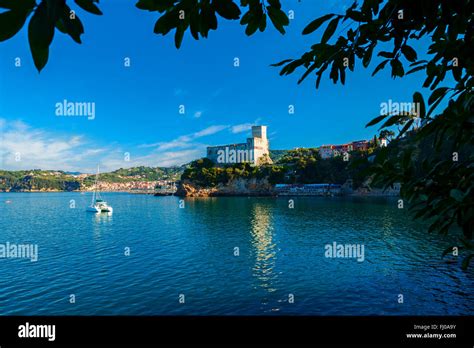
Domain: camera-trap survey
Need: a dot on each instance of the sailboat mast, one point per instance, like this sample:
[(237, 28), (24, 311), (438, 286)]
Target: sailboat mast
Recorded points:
[(95, 186), (97, 194)]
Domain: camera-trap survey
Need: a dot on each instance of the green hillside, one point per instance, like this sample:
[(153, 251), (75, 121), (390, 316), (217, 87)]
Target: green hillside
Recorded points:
[(277, 155), (33, 180)]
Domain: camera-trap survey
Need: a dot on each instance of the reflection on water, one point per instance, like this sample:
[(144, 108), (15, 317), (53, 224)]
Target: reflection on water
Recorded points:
[(264, 247), (100, 219), (189, 250)]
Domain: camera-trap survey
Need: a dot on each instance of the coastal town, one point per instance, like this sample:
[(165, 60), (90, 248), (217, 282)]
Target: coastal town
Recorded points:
[(167, 181)]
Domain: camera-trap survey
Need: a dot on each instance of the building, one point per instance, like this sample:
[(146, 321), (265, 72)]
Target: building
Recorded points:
[(360, 145), (329, 151), (326, 151), (254, 151)]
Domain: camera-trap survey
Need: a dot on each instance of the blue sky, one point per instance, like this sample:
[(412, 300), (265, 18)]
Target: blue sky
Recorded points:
[(137, 108)]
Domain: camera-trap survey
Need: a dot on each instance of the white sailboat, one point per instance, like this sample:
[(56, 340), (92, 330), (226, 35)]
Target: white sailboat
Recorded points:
[(98, 205)]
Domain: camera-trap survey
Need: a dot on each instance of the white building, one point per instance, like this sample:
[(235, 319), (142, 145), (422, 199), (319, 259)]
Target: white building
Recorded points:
[(254, 151)]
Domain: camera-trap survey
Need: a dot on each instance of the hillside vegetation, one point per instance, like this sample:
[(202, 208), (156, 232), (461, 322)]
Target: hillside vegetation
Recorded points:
[(299, 166), (48, 180)]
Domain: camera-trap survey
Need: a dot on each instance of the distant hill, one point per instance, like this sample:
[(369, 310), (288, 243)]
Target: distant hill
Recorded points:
[(140, 174), (37, 179)]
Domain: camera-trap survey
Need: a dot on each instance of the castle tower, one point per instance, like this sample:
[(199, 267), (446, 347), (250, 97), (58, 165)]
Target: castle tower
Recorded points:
[(259, 132), (255, 150), (259, 146)]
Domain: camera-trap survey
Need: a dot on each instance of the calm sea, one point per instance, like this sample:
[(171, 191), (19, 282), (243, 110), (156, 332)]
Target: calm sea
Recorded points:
[(223, 256)]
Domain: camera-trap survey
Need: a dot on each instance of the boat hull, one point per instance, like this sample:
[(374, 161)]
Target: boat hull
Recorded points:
[(93, 209), (98, 209)]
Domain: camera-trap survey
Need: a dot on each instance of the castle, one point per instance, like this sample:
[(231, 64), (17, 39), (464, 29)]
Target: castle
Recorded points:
[(254, 151)]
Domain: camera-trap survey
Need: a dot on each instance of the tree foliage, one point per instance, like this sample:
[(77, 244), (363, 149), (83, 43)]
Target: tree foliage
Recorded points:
[(46, 17), (440, 150), (200, 16), (299, 166), (196, 16), (204, 173)]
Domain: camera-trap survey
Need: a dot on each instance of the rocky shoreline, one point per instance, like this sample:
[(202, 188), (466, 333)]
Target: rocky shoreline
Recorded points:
[(239, 187), (260, 188)]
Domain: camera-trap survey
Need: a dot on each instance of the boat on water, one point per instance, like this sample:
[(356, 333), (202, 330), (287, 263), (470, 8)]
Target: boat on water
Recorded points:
[(98, 205)]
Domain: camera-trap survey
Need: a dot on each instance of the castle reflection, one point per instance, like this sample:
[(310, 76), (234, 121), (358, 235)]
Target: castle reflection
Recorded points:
[(264, 247)]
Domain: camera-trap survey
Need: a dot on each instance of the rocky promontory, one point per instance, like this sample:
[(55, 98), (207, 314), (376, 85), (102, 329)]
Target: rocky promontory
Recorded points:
[(237, 187)]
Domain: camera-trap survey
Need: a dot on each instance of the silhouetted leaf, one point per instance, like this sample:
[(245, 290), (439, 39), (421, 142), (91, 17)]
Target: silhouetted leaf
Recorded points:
[(18, 4), (342, 74), (178, 36), (227, 9), (275, 3), (380, 66), (418, 68), (194, 24), (393, 120), (356, 16), (263, 23), (437, 94), (89, 6), (418, 63), (282, 62), (367, 56), (307, 72), (330, 29), (433, 107), (204, 20), (318, 80), (405, 128), (376, 120), (10, 23), (212, 19), (155, 5), (55, 8), (409, 53), (278, 18), (333, 75), (40, 35), (385, 54), (397, 68), (457, 73), (314, 25), (252, 28), (418, 100), (246, 18), (72, 27), (165, 23)]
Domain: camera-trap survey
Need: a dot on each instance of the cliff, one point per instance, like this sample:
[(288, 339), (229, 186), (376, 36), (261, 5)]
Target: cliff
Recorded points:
[(237, 187)]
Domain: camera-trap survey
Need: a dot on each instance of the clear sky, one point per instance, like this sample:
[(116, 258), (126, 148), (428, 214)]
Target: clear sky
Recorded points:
[(137, 107)]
